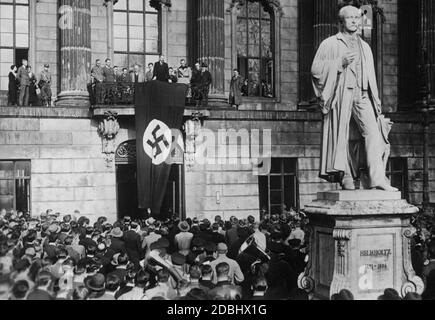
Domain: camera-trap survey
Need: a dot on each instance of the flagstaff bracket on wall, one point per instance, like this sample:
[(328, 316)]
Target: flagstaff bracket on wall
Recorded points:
[(108, 130)]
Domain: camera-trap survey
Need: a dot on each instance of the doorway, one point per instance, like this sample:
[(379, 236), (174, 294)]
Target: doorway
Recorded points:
[(127, 191)]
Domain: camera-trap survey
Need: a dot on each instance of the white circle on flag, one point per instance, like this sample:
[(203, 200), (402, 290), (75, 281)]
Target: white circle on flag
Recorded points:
[(157, 141)]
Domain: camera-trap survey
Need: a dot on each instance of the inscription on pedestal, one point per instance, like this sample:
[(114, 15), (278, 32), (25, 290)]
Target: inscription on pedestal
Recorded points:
[(375, 263)]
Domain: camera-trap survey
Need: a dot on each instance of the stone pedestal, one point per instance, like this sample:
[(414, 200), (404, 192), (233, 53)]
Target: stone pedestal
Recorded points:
[(360, 241), (75, 52)]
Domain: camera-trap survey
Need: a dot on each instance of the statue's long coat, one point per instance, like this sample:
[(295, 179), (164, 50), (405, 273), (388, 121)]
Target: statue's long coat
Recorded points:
[(334, 87)]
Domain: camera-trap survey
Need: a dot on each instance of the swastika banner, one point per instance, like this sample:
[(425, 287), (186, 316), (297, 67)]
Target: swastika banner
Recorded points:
[(159, 110)]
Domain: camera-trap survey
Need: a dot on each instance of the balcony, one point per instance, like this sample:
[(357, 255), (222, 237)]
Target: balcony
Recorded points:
[(118, 98)]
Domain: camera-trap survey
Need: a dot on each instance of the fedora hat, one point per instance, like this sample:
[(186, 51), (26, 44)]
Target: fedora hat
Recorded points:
[(150, 221), (54, 228), (95, 282), (116, 233), (184, 226)]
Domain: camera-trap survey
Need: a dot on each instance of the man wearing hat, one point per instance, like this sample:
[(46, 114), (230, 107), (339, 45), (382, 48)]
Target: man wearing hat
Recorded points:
[(44, 84), (96, 285), (206, 81), (235, 274), (152, 236), (44, 289), (117, 244), (183, 240)]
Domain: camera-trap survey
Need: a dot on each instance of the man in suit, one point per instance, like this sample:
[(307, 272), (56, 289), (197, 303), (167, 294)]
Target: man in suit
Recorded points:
[(150, 72), (161, 70), (133, 244), (109, 80), (206, 81), (24, 81), (97, 82), (137, 76)]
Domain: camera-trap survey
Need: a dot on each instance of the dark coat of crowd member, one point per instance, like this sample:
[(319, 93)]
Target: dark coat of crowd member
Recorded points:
[(24, 83), (429, 292), (236, 84), (133, 244), (13, 87), (161, 70), (279, 270)]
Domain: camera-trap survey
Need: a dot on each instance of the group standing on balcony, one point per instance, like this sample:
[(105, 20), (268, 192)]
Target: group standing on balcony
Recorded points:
[(27, 89), (108, 86)]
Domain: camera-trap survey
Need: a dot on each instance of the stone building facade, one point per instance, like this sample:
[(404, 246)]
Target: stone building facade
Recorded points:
[(71, 165)]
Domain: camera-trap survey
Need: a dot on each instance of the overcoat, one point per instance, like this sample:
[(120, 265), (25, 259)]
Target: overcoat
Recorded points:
[(334, 86)]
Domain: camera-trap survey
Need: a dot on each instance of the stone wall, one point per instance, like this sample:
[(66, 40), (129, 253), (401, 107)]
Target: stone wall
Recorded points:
[(68, 169), (177, 33), (99, 29), (47, 46), (294, 135)]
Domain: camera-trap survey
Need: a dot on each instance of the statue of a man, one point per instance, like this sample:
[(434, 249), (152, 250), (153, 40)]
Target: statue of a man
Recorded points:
[(344, 80)]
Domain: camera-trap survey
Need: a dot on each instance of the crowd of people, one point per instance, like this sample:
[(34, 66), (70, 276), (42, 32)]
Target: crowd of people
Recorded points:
[(27, 89), (54, 257), (110, 85)]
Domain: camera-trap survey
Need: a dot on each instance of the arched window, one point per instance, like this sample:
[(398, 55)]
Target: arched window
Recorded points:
[(14, 36), (136, 33), (255, 48)]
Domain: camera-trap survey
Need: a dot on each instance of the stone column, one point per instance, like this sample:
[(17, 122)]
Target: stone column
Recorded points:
[(75, 52), (109, 4), (325, 20), (211, 46)]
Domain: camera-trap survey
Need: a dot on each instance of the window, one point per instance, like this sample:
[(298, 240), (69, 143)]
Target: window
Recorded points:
[(280, 187), (306, 50), (14, 36), (136, 33), (397, 172), (255, 60), (408, 17), (15, 185)]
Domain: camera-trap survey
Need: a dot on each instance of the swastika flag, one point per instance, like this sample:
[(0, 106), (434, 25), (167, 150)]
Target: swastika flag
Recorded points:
[(159, 110)]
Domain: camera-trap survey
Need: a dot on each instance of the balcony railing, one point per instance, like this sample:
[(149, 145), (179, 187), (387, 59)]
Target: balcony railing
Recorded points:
[(122, 94), (111, 93)]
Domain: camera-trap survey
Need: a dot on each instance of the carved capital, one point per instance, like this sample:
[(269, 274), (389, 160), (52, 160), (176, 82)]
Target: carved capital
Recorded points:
[(157, 4), (273, 5), (107, 1)]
